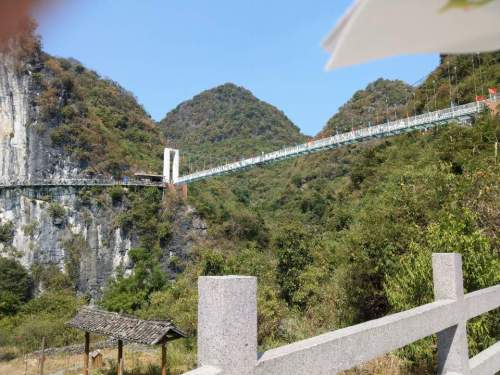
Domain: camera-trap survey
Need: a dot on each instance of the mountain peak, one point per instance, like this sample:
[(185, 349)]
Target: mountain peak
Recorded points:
[(226, 117), (374, 104)]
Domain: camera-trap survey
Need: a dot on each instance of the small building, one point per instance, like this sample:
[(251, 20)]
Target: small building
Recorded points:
[(124, 328), (149, 177)]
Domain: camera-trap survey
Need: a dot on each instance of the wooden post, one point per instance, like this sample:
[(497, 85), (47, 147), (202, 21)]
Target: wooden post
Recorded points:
[(164, 358), (120, 358), (86, 354), (42, 357)]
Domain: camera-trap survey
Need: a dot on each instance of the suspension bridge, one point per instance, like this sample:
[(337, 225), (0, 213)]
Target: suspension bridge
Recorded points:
[(460, 113)]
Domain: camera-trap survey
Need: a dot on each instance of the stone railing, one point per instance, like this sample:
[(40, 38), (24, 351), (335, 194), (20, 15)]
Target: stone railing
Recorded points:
[(227, 330)]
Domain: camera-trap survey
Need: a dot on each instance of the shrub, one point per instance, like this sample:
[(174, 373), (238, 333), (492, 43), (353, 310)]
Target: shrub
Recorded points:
[(294, 255), (31, 228), (213, 263), (74, 248), (51, 277), (116, 193), (412, 284), (46, 316), (6, 232), (56, 211), (15, 285)]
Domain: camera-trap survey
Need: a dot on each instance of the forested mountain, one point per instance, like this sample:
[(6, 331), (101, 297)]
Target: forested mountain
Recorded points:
[(96, 121), (334, 238), (381, 101), (345, 236), (227, 122)]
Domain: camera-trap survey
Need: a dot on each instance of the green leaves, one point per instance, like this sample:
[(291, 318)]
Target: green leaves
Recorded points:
[(411, 285), (96, 121), (294, 255), (6, 232), (15, 286)]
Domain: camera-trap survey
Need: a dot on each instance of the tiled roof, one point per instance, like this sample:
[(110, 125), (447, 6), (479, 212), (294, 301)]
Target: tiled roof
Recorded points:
[(124, 327)]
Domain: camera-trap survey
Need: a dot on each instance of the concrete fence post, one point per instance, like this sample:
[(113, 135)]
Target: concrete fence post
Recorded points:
[(453, 354), (227, 323)]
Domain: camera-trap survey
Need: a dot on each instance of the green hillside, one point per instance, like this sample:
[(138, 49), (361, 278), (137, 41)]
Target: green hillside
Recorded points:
[(94, 120), (224, 123), (345, 236), (381, 101), (97, 121)]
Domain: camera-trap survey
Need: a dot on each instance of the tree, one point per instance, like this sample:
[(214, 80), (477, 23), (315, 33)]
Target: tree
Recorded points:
[(15, 286), (412, 284), (6, 232), (294, 256), (127, 294)]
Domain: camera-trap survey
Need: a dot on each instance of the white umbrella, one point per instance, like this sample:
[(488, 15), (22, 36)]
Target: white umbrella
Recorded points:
[(373, 29)]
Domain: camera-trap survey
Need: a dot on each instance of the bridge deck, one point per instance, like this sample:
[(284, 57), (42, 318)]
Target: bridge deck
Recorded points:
[(424, 121), (77, 183)]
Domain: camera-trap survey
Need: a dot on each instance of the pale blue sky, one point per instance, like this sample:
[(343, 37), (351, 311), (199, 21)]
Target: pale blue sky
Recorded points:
[(166, 51)]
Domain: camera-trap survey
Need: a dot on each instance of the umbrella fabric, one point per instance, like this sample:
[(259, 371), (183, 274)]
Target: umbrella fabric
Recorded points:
[(373, 29)]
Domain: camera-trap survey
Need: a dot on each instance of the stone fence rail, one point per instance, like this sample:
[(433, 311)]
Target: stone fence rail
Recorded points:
[(227, 330)]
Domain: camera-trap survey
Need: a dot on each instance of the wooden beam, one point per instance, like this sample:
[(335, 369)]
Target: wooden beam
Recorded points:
[(86, 354), (120, 358), (164, 358)]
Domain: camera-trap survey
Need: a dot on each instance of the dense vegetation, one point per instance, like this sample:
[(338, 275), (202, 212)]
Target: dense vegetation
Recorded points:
[(381, 101), (224, 123), (24, 321), (334, 239), (94, 120), (458, 79)]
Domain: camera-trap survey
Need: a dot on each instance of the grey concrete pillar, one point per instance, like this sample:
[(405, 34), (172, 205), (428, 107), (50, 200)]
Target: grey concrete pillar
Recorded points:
[(227, 323), (453, 354)]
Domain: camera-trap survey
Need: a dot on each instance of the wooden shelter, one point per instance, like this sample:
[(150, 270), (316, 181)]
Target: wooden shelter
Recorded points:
[(124, 328)]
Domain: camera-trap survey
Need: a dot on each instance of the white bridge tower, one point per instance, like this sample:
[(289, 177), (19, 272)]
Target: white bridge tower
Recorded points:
[(170, 166)]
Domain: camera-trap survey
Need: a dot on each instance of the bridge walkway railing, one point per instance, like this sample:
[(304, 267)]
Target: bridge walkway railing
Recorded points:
[(423, 121), (79, 182), (227, 330)]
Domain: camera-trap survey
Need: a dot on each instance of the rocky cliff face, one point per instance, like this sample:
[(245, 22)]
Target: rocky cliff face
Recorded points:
[(25, 151), (59, 226), (39, 234), (15, 115), (54, 227)]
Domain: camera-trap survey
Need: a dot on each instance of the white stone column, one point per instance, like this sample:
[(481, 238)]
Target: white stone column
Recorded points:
[(166, 165), (227, 323), (453, 354)]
